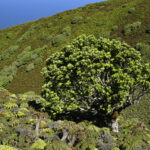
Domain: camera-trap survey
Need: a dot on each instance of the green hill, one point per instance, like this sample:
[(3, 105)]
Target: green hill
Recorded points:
[(23, 51)]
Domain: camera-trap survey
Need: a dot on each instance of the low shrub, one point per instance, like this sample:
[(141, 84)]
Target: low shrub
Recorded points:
[(46, 38), (38, 61), (27, 56), (76, 20), (131, 27), (58, 40), (147, 30), (7, 74), (49, 25), (9, 35), (30, 67), (144, 50), (105, 34), (9, 52), (113, 28), (66, 31), (131, 10)]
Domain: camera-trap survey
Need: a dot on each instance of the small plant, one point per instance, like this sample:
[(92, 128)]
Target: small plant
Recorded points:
[(46, 38), (58, 40), (147, 30), (76, 20), (131, 10), (49, 25), (30, 67), (113, 28), (105, 34), (144, 49), (66, 31), (131, 27)]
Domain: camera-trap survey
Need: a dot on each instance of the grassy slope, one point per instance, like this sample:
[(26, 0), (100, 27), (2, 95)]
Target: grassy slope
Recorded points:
[(98, 19)]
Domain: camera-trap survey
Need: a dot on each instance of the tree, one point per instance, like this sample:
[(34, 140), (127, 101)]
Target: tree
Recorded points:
[(101, 76)]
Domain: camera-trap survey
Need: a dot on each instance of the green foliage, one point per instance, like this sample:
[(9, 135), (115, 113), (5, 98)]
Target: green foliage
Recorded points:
[(30, 67), (66, 31), (105, 34), (115, 27), (5, 147), (7, 74), (27, 56), (58, 40), (76, 20), (148, 30), (38, 61), (131, 27), (131, 10), (9, 52), (46, 38), (94, 75), (49, 25), (144, 50), (133, 135), (38, 145)]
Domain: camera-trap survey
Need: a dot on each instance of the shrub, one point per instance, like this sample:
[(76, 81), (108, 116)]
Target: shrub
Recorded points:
[(144, 50), (38, 61), (7, 74), (94, 76), (46, 38), (66, 31), (131, 10), (49, 25), (87, 20), (131, 27), (113, 28), (5, 147), (148, 30), (105, 34), (58, 40), (9, 35), (8, 52), (30, 67), (76, 20)]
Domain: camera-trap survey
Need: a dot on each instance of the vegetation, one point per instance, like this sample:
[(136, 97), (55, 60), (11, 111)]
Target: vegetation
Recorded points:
[(26, 119), (96, 76)]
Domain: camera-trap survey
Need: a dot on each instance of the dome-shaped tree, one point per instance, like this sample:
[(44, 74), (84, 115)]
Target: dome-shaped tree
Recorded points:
[(94, 75)]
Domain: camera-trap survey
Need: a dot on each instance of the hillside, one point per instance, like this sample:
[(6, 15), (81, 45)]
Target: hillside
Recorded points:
[(23, 51)]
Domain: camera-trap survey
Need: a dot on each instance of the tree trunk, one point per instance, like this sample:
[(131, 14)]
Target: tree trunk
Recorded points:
[(114, 125)]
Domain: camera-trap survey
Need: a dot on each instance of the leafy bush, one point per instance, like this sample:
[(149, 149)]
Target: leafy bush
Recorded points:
[(30, 67), (144, 50), (46, 38), (115, 27), (105, 34), (131, 10), (148, 30), (5, 147), (27, 56), (76, 20), (49, 25), (58, 40), (66, 31), (94, 76), (9, 52), (7, 74), (131, 27), (38, 61)]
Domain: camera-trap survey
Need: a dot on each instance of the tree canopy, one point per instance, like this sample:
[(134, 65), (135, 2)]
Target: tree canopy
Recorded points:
[(97, 75)]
